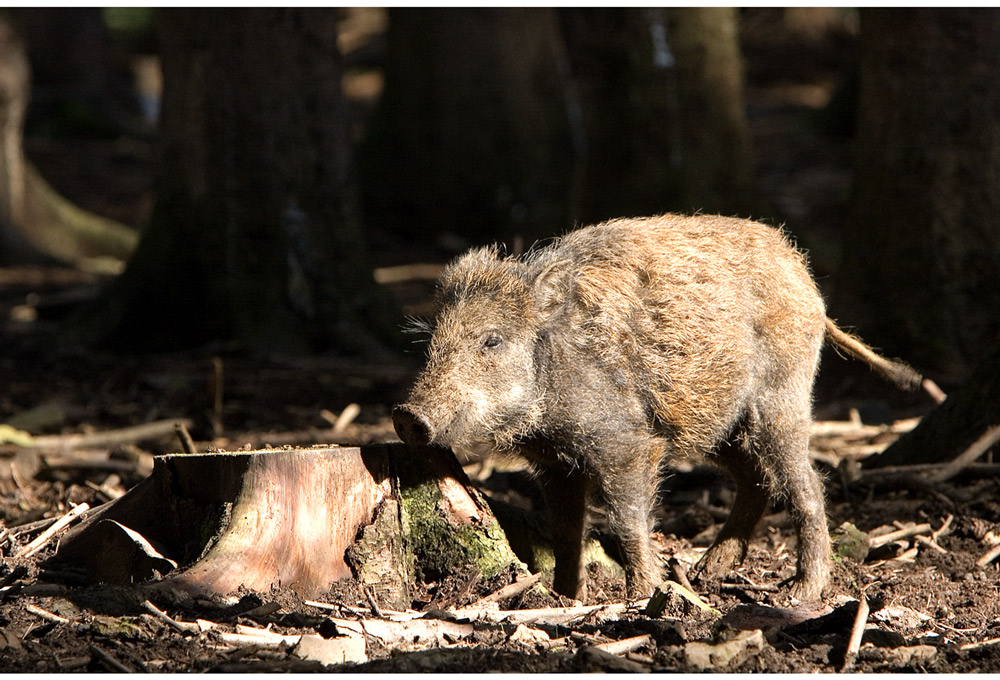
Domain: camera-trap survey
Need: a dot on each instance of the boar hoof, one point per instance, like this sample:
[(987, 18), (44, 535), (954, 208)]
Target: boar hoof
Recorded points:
[(806, 590)]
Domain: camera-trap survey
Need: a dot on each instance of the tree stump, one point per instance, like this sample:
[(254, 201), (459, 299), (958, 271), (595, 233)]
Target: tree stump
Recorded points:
[(297, 518)]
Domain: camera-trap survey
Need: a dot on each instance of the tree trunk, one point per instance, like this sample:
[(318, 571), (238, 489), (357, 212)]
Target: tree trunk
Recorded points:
[(256, 235), (503, 122), (661, 96), (471, 137), (952, 427), (36, 223), (922, 249)]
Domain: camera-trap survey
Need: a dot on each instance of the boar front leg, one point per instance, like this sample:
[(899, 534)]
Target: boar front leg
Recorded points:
[(629, 475), (566, 494)]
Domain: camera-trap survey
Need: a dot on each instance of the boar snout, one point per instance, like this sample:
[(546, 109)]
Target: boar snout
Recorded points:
[(412, 428)]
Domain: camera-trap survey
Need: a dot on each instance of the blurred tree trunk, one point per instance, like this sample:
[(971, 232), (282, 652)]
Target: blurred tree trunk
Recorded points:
[(82, 85), (497, 122), (255, 236), (661, 92), (471, 137), (922, 247), (38, 225)]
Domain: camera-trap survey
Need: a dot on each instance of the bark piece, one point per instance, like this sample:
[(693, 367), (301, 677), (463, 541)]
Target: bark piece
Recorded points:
[(333, 651)]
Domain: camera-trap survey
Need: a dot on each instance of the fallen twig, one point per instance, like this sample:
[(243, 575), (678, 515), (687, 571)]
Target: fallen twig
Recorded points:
[(982, 643), (92, 460), (388, 614), (510, 590), (413, 631), (346, 417), (931, 388), (890, 471), (857, 632), (105, 489), (990, 555), (46, 535), (187, 444), (109, 660), (990, 437), (855, 428), (930, 543), (180, 626), (626, 645), (944, 529), (905, 532), (125, 435), (550, 616), (47, 615), (408, 272)]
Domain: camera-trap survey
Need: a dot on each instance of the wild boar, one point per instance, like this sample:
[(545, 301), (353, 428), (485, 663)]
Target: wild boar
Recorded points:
[(625, 345)]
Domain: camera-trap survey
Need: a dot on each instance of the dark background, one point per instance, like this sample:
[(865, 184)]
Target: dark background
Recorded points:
[(251, 168)]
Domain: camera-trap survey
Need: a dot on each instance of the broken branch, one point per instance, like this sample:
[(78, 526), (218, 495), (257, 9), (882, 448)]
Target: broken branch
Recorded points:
[(46, 535), (857, 632), (125, 435), (990, 437)]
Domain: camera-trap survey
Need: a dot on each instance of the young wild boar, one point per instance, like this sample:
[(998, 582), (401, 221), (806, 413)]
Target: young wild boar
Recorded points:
[(630, 343)]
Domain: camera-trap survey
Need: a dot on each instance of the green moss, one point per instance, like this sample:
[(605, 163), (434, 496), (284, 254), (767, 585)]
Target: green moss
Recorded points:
[(440, 547)]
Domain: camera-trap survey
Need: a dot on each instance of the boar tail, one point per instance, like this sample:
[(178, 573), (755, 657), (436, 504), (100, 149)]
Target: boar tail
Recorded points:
[(896, 372)]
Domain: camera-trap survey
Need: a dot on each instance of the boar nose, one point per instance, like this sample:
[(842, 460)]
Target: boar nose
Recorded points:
[(411, 427)]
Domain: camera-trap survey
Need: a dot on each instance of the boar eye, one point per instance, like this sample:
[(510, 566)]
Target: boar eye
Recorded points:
[(492, 341)]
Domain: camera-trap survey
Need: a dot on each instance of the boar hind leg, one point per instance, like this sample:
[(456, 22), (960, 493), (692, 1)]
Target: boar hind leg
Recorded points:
[(752, 499), (801, 486), (566, 494), (785, 446)]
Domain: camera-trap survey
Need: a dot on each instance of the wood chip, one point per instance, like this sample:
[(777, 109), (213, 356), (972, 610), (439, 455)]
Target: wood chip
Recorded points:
[(330, 651), (530, 637)]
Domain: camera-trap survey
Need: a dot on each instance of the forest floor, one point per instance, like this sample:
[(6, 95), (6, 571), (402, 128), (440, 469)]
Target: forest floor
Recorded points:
[(934, 597)]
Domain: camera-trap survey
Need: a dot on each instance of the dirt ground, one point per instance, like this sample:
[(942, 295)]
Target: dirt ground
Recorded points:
[(933, 608)]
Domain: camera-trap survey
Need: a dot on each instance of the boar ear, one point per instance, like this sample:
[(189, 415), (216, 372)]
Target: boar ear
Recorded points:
[(551, 287)]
